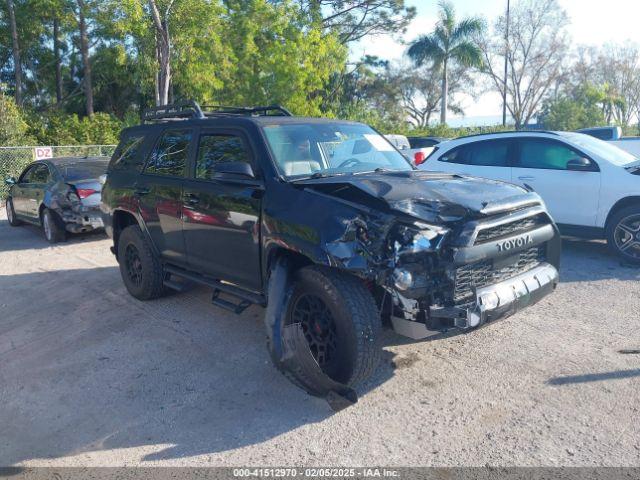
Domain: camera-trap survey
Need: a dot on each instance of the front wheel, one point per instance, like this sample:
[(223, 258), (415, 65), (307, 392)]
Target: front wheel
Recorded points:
[(340, 321), (623, 234), (11, 214)]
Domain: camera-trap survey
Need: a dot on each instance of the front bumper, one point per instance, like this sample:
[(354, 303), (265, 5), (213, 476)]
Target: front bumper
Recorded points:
[(491, 303)]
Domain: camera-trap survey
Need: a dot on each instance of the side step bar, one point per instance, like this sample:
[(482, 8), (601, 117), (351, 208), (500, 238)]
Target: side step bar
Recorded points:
[(244, 298)]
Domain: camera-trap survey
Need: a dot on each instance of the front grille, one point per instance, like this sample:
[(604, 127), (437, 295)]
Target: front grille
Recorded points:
[(512, 228), (490, 272)]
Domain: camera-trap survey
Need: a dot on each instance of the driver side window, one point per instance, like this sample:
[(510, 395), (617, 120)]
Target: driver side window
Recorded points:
[(28, 176)]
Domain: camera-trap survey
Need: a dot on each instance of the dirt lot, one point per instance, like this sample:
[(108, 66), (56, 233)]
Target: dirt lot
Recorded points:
[(90, 376)]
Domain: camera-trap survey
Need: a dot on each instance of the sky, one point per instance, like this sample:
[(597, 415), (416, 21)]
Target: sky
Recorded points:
[(592, 22)]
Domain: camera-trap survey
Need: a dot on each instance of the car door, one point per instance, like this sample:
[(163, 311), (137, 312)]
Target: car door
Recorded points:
[(486, 158), (221, 212), (158, 192), (17, 195), (34, 190), (572, 196)]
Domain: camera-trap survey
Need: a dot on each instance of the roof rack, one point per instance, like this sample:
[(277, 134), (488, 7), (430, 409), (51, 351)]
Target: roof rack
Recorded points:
[(186, 109), (278, 110), (191, 110)]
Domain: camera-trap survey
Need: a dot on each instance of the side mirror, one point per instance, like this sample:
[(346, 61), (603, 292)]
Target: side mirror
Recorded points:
[(233, 170), (419, 158), (10, 181), (580, 165)]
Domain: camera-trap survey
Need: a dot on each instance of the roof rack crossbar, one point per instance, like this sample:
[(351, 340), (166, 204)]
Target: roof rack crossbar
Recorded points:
[(186, 109), (279, 110)]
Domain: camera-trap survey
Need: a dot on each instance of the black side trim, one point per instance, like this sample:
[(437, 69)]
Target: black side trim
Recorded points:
[(595, 233)]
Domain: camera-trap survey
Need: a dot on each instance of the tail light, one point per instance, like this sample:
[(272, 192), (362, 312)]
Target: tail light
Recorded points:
[(85, 192), (419, 158)]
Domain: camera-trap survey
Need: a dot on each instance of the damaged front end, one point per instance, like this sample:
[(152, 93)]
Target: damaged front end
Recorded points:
[(474, 271), (432, 264)]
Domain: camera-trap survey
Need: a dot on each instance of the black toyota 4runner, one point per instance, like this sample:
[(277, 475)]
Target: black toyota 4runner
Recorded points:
[(326, 224)]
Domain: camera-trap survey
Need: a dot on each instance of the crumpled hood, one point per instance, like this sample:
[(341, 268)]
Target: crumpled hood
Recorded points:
[(429, 196)]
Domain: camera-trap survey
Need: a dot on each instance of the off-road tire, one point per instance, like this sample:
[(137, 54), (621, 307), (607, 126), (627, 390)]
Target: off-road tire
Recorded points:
[(52, 227), (355, 315), (11, 214), (147, 282), (625, 214)]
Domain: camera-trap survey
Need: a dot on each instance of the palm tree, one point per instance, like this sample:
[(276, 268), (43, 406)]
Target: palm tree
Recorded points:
[(450, 42)]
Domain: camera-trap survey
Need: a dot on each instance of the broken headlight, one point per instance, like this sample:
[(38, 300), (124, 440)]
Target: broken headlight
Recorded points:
[(418, 238), (413, 246)]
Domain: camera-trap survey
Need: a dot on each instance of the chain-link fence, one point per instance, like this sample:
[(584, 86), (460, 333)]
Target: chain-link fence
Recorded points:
[(14, 159)]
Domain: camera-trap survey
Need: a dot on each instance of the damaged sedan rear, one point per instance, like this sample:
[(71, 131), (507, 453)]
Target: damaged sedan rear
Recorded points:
[(62, 195)]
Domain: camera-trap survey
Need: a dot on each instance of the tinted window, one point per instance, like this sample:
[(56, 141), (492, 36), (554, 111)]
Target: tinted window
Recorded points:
[(170, 155), (488, 154), (26, 175), (601, 134), (545, 154), (216, 149), (417, 142), (86, 170), (128, 154), (39, 174)]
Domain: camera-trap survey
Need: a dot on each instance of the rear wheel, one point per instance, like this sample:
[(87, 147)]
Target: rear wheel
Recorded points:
[(340, 321), (623, 234), (53, 228), (11, 214), (140, 268)]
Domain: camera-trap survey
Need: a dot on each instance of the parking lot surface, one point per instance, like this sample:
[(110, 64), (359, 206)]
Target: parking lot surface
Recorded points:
[(92, 377)]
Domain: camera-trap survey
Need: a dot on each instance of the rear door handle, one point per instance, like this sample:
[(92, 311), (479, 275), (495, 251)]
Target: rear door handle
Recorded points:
[(526, 178), (191, 199), (139, 191)]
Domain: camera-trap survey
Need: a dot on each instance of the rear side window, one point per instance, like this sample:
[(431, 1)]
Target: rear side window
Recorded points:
[(128, 155), (545, 154), (492, 153), (215, 149), (39, 174), (169, 157)]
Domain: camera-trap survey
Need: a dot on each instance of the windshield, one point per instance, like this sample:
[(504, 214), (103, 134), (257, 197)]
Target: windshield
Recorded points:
[(83, 170), (325, 149), (609, 152)]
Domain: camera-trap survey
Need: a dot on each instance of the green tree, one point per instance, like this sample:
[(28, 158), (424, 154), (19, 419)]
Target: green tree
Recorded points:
[(451, 42), (13, 128), (583, 108), (352, 20)]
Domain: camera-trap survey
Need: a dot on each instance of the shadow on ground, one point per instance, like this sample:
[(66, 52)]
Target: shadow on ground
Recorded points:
[(31, 237), (594, 377), (84, 367)]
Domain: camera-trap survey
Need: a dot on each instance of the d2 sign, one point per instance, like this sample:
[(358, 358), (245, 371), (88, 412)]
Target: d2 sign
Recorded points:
[(40, 153)]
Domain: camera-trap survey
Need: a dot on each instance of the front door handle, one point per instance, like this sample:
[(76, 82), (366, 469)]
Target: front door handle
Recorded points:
[(140, 191), (526, 178), (191, 199)]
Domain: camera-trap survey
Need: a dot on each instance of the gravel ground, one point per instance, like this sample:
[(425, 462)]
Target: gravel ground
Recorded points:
[(91, 377)]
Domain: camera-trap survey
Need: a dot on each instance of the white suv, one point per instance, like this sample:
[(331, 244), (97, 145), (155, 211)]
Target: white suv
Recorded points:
[(591, 187)]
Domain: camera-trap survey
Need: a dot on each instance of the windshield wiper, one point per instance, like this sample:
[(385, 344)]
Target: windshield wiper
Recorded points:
[(317, 175)]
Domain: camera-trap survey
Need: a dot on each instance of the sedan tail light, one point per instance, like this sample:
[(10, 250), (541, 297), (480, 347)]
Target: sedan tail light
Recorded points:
[(85, 192)]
